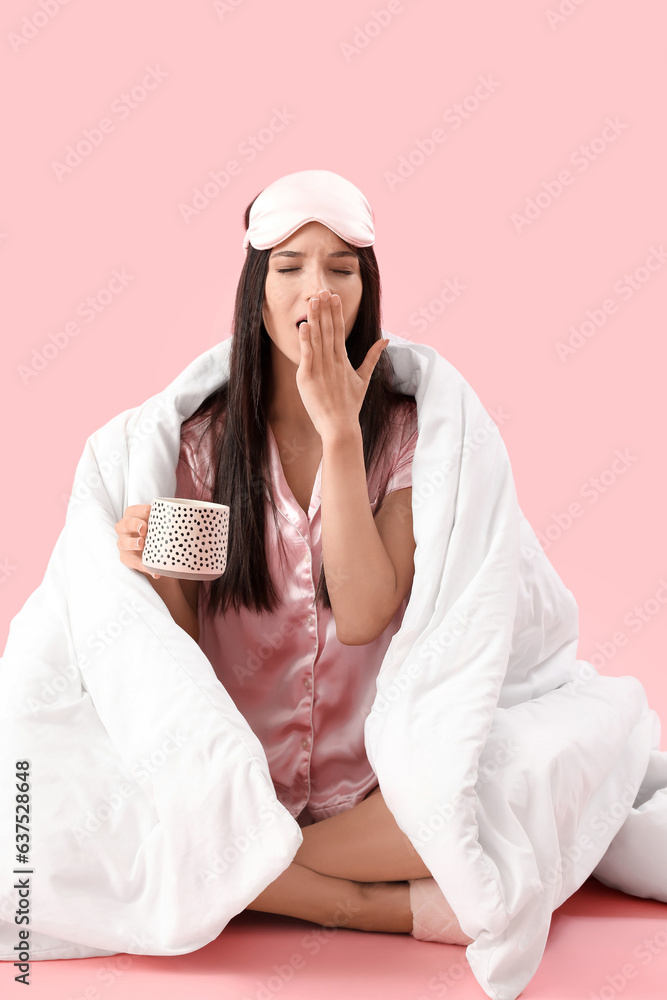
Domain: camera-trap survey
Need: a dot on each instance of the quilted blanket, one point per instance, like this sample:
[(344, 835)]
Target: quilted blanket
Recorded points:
[(138, 812)]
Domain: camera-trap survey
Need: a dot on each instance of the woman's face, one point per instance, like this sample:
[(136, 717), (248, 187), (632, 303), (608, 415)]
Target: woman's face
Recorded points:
[(309, 260)]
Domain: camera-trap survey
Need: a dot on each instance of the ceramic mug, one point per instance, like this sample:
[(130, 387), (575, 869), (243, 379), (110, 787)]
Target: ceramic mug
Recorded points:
[(186, 538)]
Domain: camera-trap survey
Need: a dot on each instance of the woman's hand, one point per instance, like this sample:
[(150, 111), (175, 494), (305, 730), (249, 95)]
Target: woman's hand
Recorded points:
[(131, 530), (331, 389)]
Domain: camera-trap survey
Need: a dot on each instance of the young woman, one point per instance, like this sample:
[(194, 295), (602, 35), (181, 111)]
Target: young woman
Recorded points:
[(311, 448)]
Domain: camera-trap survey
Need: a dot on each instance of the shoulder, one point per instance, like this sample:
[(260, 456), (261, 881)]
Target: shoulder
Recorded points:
[(197, 446), (391, 469), (403, 421), (195, 469), (196, 432)]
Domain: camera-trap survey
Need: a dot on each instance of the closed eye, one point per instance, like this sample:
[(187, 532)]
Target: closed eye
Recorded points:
[(286, 270)]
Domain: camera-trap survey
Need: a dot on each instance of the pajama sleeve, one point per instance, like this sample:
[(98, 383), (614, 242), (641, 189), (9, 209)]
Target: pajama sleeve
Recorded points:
[(400, 474)]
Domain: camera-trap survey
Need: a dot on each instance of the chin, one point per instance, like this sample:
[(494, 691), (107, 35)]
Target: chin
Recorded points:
[(291, 351)]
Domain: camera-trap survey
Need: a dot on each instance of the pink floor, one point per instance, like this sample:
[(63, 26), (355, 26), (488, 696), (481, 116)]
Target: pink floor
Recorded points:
[(602, 943)]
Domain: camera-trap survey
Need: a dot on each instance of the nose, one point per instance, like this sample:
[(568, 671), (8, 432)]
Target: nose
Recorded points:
[(316, 288), (318, 281)]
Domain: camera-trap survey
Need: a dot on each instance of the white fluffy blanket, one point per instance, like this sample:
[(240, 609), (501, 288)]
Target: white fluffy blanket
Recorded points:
[(514, 768)]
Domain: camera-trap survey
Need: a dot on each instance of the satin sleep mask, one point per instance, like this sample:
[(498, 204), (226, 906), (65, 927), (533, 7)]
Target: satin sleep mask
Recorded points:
[(309, 196)]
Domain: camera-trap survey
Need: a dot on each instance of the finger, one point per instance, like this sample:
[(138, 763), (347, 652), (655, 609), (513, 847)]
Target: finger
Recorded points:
[(339, 326), (306, 349), (134, 562), (133, 559), (365, 369), (127, 542), (132, 526), (327, 328), (137, 510), (315, 333)]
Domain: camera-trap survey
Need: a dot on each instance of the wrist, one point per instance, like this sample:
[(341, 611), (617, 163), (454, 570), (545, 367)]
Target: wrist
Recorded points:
[(342, 436), (169, 589), (165, 585)]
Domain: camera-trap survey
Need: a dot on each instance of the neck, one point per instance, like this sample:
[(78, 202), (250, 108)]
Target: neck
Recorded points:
[(285, 405)]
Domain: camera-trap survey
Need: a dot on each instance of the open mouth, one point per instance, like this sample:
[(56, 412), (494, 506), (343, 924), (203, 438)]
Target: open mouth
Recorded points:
[(300, 321)]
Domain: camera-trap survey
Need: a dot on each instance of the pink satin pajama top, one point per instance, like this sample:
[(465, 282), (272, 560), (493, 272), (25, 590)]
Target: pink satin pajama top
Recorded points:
[(305, 694)]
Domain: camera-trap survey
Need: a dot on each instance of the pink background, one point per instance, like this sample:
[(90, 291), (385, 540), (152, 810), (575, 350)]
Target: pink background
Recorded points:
[(362, 98), (220, 73)]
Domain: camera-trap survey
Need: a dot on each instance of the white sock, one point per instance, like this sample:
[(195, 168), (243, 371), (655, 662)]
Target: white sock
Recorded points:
[(432, 917)]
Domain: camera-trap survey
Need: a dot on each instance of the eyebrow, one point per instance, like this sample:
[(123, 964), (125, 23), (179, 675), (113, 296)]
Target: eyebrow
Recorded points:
[(299, 253)]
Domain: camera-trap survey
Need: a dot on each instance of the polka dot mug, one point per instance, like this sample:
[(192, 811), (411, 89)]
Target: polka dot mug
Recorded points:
[(186, 538)]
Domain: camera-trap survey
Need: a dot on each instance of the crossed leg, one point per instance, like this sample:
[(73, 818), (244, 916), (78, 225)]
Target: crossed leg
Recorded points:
[(363, 843), (351, 870)]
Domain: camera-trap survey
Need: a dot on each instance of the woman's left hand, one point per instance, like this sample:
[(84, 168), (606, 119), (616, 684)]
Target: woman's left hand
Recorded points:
[(331, 389)]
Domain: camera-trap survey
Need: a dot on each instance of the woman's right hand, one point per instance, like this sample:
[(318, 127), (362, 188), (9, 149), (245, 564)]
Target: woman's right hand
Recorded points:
[(132, 529)]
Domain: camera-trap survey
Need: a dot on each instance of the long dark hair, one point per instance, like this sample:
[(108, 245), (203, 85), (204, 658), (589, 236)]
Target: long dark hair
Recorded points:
[(236, 414)]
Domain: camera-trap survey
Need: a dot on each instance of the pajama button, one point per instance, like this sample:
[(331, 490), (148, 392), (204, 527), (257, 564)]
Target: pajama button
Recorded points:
[(307, 683), (305, 744), (310, 619)]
